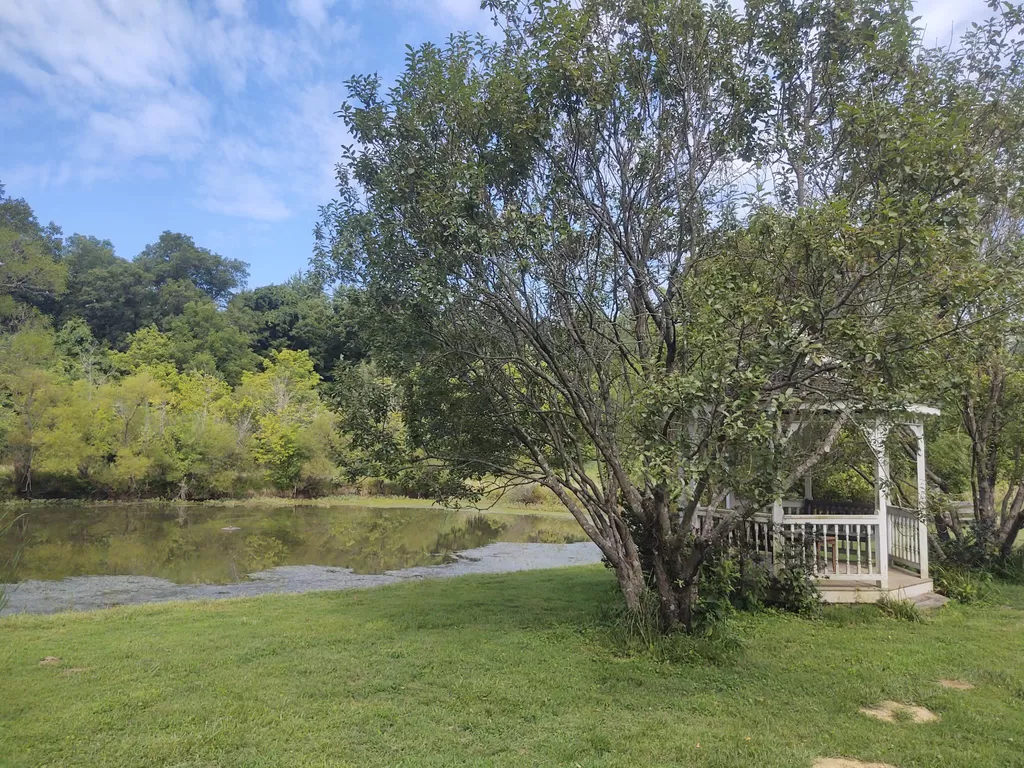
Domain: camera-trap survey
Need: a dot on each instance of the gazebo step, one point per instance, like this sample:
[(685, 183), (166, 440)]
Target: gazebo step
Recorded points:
[(903, 585)]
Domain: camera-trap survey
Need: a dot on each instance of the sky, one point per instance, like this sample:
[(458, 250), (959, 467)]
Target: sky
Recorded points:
[(124, 118)]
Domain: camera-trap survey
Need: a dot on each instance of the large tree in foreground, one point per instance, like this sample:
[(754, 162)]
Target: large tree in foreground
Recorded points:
[(581, 281)]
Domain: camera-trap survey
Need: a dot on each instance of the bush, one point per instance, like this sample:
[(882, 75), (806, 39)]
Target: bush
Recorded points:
[(974, 548), (531, 493), (793, 589), (962, 584), (732, 581)]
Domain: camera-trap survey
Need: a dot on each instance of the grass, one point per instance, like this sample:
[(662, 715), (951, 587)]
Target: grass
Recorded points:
[(513, 670)]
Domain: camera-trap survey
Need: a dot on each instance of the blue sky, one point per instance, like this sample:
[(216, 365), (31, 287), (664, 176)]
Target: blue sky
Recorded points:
[(123, 118)]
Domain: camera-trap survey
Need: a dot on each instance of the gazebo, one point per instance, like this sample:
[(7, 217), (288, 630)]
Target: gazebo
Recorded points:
[(858, 552)]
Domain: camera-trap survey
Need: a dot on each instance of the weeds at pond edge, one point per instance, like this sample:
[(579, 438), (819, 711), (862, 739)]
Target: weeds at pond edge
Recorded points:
[(8, 568)]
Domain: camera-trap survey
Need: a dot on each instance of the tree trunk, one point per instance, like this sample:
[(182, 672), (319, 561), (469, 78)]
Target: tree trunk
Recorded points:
[(675, 564), (688, 597), (1010, 535), (668, 598), (631, 583)]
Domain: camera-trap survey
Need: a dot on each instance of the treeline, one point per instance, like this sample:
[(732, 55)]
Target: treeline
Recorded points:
[(164, 376)]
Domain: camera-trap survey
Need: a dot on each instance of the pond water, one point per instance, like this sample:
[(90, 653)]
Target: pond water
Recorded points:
[(223, 545)]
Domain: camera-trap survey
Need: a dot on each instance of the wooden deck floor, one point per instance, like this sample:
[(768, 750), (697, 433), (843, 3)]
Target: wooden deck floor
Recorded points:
[(903, 585)]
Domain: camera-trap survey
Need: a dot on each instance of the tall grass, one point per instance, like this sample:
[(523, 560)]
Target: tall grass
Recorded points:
[(9, 567)]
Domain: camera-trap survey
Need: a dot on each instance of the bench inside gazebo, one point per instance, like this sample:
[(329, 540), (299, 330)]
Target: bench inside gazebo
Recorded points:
[(858, 552)]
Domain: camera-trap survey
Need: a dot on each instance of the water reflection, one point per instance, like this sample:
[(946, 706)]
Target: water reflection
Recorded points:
[(191, 545)]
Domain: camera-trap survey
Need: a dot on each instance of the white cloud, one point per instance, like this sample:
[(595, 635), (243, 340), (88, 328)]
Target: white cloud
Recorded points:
[(174, 128), (92, 51), (294, 156), (205, 89), (462, 10), (224, 189), (42, 176), (231, 7), (313, 12), (456, 14)]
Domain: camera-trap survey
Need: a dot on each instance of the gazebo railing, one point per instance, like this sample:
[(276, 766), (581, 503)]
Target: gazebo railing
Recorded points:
[(839, 547), (904, 539)]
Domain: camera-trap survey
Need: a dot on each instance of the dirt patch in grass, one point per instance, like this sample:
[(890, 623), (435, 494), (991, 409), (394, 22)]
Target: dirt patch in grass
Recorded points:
[(847, 762), (893, 711), (50, 661), (956, 685)]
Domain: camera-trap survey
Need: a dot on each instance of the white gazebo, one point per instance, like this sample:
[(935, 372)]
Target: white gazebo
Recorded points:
[(858, 552)]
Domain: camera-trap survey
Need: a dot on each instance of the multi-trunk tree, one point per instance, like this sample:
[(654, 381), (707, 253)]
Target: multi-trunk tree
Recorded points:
[(982, 371), (624, 250)]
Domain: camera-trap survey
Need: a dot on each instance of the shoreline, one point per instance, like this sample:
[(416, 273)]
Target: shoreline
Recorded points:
[(89, 593), (341, 500)]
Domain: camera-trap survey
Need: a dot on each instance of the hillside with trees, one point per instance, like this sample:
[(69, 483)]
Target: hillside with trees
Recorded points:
[(164, 376)]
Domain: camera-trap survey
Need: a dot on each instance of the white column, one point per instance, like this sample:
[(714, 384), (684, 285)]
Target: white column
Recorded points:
[(922, 499), (876, 438)]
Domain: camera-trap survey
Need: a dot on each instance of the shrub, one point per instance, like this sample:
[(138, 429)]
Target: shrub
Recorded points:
[(531, 493), (793, 589), (962, 584), (735, 580)]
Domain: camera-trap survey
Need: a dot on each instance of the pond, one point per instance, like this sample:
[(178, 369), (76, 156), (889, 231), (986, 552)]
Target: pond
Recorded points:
[(223, 545)]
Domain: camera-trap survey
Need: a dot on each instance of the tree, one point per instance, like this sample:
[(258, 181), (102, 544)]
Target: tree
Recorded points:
[(117, 297), (203, 338), (115, 300), (564, 280), (30, 395), (176, 257), (207, 456), (299, 315), (30, 275), (982, 369), (17, 216), (291, 429)]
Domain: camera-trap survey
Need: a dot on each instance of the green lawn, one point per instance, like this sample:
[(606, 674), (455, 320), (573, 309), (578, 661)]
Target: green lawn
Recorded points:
[(510, 670)]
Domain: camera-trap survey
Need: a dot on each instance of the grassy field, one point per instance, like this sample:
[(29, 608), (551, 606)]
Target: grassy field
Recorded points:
[(513, 670)]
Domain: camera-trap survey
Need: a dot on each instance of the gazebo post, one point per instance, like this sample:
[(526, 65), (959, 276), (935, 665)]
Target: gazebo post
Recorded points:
[(922, 498), (876, 437)]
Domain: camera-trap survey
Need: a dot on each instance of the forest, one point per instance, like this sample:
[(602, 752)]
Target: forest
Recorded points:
[(164, 376)]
